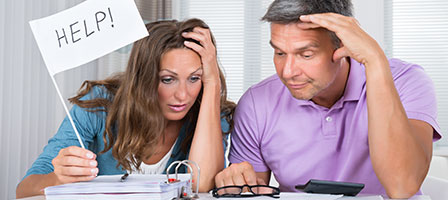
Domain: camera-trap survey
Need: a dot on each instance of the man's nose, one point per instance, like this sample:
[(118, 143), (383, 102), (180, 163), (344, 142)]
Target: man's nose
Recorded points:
[(289, 69)]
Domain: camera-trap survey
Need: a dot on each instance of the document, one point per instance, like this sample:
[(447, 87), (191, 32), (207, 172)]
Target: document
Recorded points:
[(136, 186), (134, 196)]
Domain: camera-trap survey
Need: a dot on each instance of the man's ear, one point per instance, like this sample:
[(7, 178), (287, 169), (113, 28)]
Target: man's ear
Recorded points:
[(340, 53)]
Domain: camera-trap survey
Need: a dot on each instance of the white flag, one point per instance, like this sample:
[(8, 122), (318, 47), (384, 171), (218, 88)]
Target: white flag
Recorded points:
[(86, 32)]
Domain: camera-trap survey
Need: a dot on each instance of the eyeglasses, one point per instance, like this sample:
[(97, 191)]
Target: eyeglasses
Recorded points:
[(236, 191)]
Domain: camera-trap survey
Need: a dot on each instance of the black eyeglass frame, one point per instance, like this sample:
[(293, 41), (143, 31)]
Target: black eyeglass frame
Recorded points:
[(241, 187)]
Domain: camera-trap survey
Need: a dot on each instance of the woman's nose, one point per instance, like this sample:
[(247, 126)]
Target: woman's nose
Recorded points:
[(181, 91)]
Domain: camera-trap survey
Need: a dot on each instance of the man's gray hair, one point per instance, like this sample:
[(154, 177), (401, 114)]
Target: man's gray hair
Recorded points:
[(289, 11)]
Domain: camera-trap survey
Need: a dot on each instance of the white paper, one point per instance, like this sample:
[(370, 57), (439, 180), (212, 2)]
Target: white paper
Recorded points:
[(86, 32), (134, 196), (112, 184)]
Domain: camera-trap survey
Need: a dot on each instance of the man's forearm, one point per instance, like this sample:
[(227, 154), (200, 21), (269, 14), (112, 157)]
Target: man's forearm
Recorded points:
[(399, 158)]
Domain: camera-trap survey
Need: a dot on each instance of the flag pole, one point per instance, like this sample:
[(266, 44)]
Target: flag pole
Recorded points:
[(66, 110)]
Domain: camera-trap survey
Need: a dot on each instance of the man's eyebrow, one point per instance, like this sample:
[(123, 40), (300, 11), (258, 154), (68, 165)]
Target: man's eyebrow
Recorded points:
[(273, 45), (308, 46)]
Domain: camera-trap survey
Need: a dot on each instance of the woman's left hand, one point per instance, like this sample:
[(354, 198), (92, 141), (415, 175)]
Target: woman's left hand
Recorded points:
[(207, 51)]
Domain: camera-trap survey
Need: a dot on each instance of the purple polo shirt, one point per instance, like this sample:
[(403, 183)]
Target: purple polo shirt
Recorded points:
[(299, 140)]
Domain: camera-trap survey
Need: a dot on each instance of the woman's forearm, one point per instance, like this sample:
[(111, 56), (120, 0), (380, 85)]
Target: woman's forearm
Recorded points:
[(35, 184), (207, 148)]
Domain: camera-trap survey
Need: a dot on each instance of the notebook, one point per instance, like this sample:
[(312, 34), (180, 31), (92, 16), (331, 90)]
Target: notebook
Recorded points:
[(136, 186)]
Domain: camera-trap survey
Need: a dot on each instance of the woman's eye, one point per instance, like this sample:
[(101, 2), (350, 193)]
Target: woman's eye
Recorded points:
[(167, 80), (194, 78)]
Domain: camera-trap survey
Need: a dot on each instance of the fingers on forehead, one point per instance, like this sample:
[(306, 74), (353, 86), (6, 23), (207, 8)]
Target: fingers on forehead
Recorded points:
[(332, 20), (201, 30), (195, 47), (306, 25), (196, 36)]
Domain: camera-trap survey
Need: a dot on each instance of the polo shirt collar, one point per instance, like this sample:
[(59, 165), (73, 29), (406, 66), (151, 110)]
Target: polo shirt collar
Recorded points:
[(356, 81)]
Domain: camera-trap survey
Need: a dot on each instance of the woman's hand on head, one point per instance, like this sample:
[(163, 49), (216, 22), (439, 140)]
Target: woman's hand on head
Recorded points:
[(74, 164), (207, 51)]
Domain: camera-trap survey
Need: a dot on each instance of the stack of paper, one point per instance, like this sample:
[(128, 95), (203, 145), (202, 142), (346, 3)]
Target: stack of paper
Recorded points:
[(111, 187)]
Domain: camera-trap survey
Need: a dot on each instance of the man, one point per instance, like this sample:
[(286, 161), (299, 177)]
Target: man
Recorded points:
[(337, 109)]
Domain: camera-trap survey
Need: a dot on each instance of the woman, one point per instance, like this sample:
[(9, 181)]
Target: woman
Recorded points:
[(168, 105)]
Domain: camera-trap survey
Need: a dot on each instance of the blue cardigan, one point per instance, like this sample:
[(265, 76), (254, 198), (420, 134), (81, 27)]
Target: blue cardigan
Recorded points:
[(91, 126)]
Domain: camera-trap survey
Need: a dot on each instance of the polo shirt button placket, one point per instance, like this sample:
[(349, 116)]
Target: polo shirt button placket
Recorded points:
[(329, 128)]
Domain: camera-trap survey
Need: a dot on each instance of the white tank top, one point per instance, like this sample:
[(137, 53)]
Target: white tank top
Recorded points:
[(157, 168)]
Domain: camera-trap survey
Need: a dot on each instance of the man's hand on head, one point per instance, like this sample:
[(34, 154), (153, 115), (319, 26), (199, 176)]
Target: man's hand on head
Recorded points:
[(356, 43)]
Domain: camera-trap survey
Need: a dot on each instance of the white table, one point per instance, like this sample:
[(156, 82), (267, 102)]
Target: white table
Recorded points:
[(286, 195), (298, 196)]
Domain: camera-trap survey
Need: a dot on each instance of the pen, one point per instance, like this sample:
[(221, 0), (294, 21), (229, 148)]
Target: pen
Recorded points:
[(123, 178)]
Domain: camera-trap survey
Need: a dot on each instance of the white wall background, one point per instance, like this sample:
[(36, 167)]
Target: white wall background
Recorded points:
[(416, 31), (30, 111), (370, 15)]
